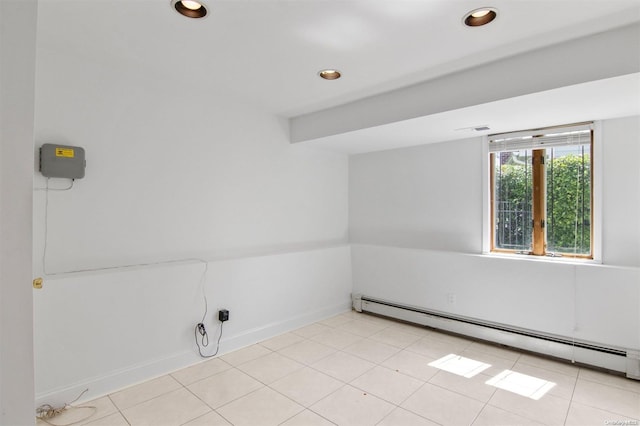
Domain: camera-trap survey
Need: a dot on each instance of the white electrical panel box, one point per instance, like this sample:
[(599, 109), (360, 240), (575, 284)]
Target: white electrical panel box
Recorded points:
[(62, 161)]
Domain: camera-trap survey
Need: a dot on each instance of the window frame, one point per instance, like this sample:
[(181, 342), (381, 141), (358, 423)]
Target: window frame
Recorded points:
[(488, 201)]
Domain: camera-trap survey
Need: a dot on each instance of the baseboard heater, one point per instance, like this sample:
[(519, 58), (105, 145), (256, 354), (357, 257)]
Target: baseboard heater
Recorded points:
[(626, 361)]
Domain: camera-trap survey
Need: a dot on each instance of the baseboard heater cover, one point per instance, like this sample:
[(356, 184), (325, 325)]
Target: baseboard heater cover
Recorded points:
[(611, 358)]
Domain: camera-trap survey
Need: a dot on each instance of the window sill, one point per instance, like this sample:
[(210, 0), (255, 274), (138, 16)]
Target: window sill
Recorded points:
[(532, 258)]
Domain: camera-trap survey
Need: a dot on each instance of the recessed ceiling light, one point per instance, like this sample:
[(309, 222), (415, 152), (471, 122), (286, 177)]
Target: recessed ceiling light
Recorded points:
[(480, 17), (330, 74), (190, 8)]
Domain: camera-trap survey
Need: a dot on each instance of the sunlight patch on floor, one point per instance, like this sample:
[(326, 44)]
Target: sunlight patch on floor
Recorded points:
[(529, 386), (459, 365)]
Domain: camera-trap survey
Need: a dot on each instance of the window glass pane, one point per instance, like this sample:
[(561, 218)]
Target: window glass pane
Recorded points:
[(513, 203), (568, 176)]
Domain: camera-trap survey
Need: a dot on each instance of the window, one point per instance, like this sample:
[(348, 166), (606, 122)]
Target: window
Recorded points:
[(541, 191)]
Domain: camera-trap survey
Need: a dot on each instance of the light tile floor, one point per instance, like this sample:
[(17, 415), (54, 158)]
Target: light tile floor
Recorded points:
[(358, 369)]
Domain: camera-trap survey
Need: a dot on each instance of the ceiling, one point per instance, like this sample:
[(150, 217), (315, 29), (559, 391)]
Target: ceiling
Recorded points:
[(616, 97), (268, 52)]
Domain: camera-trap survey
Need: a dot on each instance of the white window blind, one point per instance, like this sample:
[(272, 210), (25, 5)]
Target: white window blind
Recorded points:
[(578, 134)]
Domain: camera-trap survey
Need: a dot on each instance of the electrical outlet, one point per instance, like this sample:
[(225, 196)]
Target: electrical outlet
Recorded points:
[(451, 298), (223, 315)]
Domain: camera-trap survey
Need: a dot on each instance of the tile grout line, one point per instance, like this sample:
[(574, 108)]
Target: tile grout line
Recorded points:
[(413, 412), (119, 411), (603, 408), (486, 403), (322, 399), (198, 398), (573, 391), (235, 399), (609, 384)]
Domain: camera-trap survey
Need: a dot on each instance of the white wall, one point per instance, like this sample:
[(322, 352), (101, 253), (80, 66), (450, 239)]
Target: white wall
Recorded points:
[(173, 173), (106, 331), (416, 225), (17, 81), (428, 197), (621, 192), (598, 304)]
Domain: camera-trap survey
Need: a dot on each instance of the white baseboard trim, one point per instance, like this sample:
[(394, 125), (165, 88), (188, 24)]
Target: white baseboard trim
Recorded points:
[(102, 385), (138, 373), (258, 334)]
